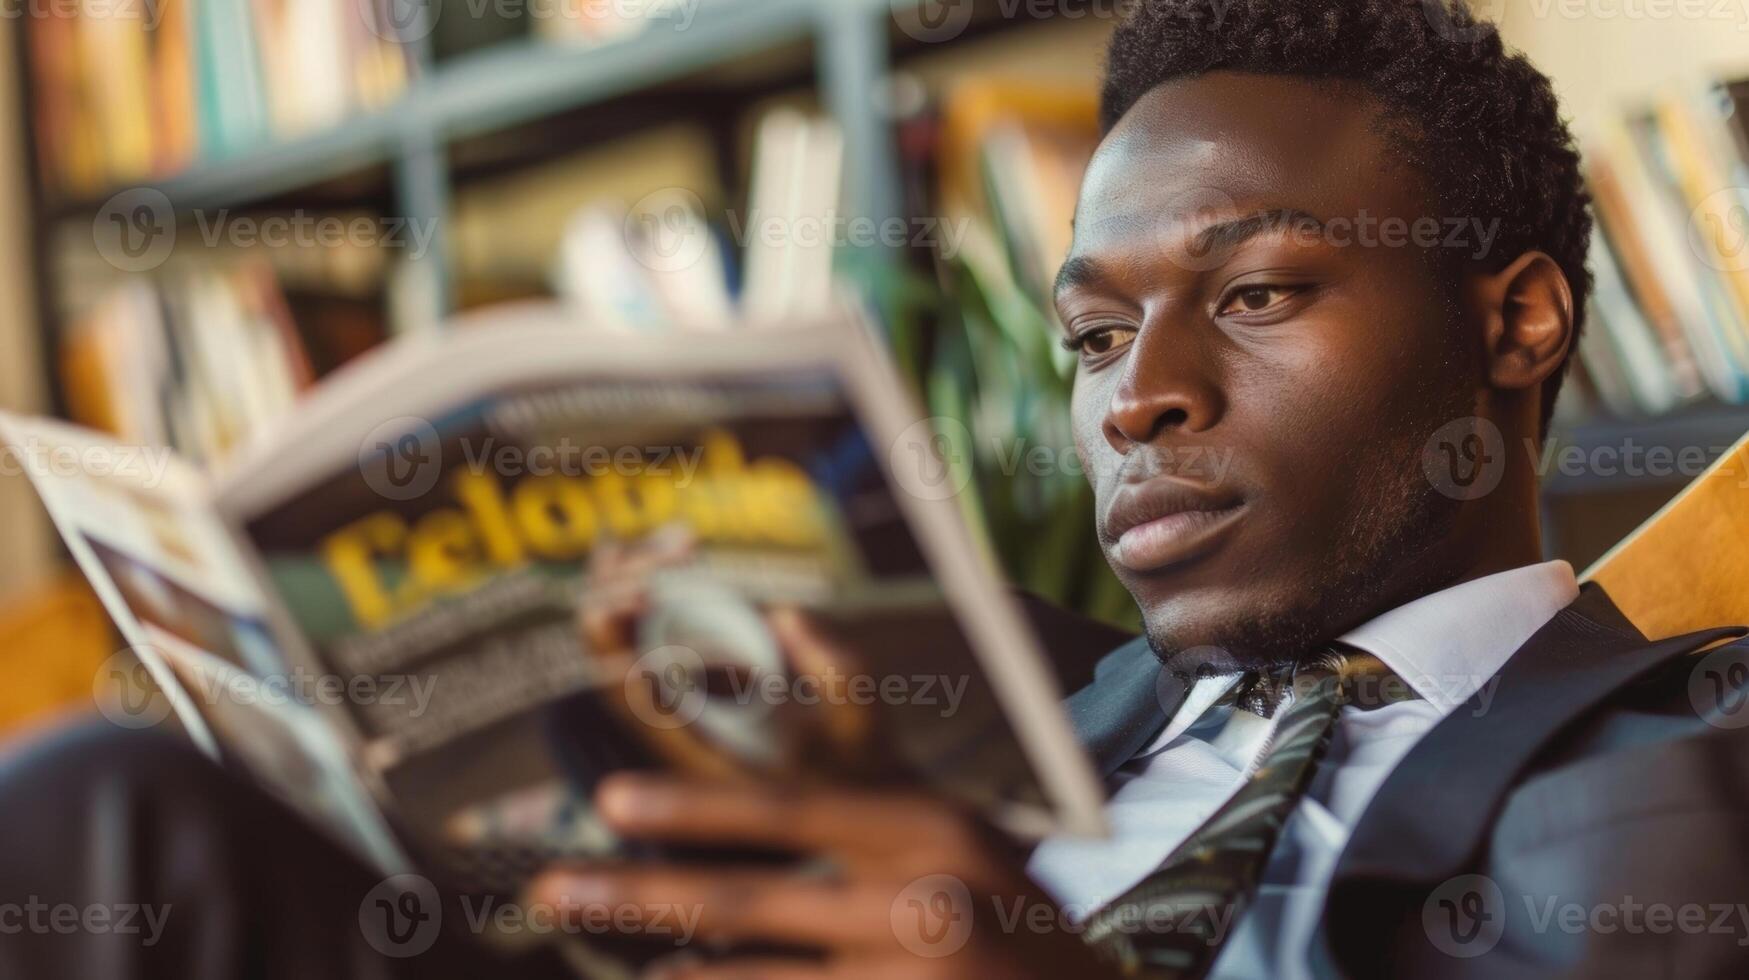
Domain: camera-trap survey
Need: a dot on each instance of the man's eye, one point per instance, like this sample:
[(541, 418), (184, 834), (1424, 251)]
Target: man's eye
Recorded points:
[(1100, 340), (1255, 299)]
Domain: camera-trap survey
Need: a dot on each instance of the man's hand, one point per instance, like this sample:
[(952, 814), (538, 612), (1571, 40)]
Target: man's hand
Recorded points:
[(903, 886)]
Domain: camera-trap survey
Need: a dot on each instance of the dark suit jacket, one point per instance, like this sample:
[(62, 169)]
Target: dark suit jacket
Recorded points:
[(1591, 820)]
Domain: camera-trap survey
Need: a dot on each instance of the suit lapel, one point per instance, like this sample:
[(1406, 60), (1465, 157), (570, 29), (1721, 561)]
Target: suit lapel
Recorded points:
[(1126, 705), (1433, 812)]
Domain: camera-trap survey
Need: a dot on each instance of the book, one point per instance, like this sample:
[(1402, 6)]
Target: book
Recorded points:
[(517, 562), (196, 360)]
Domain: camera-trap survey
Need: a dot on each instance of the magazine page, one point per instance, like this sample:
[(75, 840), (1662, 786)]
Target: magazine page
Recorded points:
[(138, 523), (599, 552)]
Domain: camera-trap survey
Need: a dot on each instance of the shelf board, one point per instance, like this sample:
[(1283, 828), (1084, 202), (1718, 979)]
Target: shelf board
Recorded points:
[(1612, 455)]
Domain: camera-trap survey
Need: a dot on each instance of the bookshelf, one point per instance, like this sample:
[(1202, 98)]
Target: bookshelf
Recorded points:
[(409, 150), (509, 83)]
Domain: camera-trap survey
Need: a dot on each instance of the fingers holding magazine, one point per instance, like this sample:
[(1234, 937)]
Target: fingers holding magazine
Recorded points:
[(719, 687), (886, 885)]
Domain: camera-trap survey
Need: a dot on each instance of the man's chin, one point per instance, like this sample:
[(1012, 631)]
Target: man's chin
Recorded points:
[(1217, 638)]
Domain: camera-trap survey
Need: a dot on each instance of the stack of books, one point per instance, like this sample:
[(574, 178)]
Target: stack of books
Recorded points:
[(203, 355), (126, 92), (1670, 315)]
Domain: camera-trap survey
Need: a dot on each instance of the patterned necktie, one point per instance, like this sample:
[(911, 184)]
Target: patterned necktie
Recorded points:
[(1169, 926)]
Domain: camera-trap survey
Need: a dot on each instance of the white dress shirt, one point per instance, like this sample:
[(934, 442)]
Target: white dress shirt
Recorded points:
[(1447, 646)]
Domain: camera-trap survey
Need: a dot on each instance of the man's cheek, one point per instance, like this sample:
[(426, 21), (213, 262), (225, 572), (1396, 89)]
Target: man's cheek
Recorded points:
[(1099, 462)]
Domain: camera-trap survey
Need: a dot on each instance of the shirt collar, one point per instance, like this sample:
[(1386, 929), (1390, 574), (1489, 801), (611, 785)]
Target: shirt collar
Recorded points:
[(1449, 644), (1446, 645)]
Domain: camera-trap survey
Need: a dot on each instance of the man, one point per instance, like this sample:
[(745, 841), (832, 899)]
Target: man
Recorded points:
[(1367, 731)]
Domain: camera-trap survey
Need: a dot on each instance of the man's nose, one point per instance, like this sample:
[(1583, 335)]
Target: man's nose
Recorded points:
[(1166, 387)]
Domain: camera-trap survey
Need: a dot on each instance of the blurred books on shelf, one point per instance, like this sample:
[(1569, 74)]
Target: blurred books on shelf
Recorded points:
[(1670, 314), (213, 347), (132, 92), (200, 359), (1007, 159)]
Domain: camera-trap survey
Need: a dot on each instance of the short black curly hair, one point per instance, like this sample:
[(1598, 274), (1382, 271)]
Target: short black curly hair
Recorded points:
[(1482, 125)]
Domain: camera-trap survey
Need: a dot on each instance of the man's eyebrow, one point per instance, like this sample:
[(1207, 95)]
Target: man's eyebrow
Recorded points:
[(1078, 270), (1228, 235)]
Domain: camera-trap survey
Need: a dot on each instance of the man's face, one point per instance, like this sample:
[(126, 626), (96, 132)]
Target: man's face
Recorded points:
[(1256, 381)]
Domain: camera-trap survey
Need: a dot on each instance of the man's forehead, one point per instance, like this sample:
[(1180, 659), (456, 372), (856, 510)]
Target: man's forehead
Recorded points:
[(1244, 137), (1199, 150)]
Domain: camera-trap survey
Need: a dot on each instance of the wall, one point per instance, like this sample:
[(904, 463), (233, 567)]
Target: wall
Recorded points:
[(27, 551), (1605, 55)]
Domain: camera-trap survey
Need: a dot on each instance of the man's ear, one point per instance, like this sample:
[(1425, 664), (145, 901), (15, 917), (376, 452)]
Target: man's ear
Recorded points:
[(1527, 312)]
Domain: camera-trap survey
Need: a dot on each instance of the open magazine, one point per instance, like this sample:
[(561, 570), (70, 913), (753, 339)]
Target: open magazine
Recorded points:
[(475, 572)]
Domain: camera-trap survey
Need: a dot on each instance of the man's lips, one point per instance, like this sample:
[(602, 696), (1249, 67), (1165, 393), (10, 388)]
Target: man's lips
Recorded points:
[(1161, 521)]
